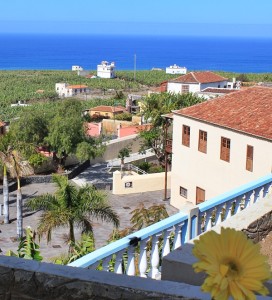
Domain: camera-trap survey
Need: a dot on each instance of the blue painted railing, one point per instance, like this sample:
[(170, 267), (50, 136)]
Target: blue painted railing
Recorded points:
[(159, 239)]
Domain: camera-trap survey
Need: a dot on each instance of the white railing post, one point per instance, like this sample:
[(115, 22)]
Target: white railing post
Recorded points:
[(218, 215), (238, 201), (208, 221), (257, 193), (266, 190), (118, 269), (177, 238), (228, 209), (143, 257), (166, 241), (155, 257), (248, 197), (131, 261)]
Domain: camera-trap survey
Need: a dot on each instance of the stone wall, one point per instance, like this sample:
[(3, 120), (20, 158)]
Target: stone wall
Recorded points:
[(22, 279), (260, 228)]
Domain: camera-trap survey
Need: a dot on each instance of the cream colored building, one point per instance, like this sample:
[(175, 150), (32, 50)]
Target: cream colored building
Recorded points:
[(65, 90), (106, 70), (221, 144)]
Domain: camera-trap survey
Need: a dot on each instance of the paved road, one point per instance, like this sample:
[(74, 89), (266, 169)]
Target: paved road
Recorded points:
[(123, 205)]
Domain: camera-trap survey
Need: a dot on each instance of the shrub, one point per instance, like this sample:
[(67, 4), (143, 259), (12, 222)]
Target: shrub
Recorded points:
[(124, 116)]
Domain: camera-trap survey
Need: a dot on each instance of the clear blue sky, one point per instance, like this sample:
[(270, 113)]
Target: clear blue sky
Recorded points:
[(172, 17)]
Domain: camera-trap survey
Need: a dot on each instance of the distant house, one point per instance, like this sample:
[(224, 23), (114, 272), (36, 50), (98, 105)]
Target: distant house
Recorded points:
[(221, 144), (176, 70), (19, 103), (106, 70), (106, 111), (195, 82), (132, 105), (65, 90), (77, 68)]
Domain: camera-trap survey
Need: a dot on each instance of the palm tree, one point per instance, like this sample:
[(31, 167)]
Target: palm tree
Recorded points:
[(71, 207), (17, 168), (3, 158), (13, 162)]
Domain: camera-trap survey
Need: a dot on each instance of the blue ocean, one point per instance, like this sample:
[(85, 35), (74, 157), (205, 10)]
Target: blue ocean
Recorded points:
[(60, 52)]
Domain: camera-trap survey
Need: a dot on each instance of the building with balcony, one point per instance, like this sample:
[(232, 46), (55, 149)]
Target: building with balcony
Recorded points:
[(221, 143), (106, 70)]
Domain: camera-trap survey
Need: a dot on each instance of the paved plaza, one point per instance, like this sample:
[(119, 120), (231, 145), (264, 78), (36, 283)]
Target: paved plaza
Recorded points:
[(123, 205)]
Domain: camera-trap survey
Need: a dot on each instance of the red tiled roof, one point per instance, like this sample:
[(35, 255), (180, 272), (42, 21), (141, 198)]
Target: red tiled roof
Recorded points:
[(199, 77), (218, 90), (248, 111), (77, 86), (104, 108)]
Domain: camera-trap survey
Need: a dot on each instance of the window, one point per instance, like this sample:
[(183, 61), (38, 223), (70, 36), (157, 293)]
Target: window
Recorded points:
[(186, 135), (219, 86), (225, 149), (249, 158), (200, 195), (202, 141), (184, 89), (183, 192)]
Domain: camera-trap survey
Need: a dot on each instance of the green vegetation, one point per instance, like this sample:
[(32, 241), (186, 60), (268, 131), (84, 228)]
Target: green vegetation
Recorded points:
[(27, 249), (70, 207)]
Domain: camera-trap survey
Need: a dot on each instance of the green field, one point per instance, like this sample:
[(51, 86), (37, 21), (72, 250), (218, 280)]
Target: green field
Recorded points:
[(38, 87)]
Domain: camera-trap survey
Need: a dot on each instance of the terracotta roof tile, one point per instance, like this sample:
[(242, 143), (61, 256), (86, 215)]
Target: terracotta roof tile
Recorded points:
[(199, 77), (218, 90), (248, 111), (104, 108), (77, 86)]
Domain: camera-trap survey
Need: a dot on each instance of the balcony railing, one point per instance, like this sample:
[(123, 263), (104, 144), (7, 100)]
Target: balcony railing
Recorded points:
[(140, 253)]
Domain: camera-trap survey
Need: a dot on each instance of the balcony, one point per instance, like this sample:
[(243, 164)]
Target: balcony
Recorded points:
[(140, 254), (151, 253)]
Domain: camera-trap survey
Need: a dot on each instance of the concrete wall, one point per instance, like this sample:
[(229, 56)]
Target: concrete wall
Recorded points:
[(22, 279), (192, 168), (220, 84), (130, 184), (175, 87)]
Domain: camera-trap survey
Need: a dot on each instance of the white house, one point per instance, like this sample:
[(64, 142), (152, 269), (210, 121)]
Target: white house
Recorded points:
[(176, 70), (195, 82), (77, 68), (65, 90), (106, 70), (221, 144)]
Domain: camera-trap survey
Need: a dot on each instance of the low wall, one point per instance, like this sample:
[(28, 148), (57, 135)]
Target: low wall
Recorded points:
[(22, 279), (255, 221), (130, 184)]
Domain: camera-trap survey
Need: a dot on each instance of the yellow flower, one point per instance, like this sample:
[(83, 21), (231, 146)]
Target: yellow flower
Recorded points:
[(233, 264)]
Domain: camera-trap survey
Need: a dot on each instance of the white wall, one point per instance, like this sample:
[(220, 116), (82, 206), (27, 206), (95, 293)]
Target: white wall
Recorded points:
[(191, 168), (175, 87), (176, 70), (214, 84)]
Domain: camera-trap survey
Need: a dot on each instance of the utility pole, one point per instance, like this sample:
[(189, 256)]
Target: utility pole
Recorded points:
[(134, 67)]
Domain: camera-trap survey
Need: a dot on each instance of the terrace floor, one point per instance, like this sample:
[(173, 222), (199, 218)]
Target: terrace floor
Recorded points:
[(123, 205)]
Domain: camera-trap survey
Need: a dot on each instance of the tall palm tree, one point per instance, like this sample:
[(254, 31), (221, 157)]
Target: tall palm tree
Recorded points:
[(5, 188), (17, 167), (71, 206)]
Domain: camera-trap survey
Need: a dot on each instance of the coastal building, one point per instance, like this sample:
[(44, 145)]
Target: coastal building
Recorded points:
[(195, 82), (106, 70), (106, 111), (65, 90), (176, 70), (77, 68), (220, 144)]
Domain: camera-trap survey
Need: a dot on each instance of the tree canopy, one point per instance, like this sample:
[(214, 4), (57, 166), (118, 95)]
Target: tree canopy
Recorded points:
[(154, 107)]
